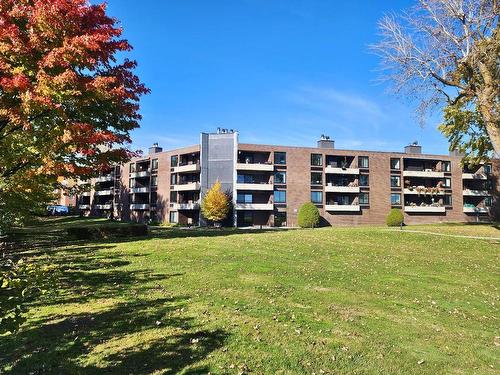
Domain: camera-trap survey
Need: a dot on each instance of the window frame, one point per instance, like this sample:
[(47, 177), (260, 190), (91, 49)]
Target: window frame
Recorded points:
[(398, 160), (399, 181), (320, 194), (365, 194), (367, 179), (320, 160), (367, 162), (154, 164), (279, 201), (284, 177), (399, 199), (320, 180), (280, 153)]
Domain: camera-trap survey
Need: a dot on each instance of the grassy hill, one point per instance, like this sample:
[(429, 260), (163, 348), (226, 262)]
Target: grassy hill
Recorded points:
[(364, 300)]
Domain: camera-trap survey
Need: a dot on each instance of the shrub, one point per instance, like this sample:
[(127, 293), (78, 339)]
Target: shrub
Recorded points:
[(308, 216), (395, 218), (107, 231)]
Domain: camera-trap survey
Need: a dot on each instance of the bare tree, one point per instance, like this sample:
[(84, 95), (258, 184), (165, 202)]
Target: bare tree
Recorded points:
[(446, 53)]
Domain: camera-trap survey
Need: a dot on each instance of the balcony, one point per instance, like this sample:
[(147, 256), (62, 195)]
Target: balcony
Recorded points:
[(105, 178), (140, 174), (187, 187), (338, 170), (255, 186), (423, 191), (429, 173), (103, 206), (475, 193), (343, 207), (425, 209), (474, 176), (476, 210), (187, 168), (341, 189), (136, 190), (263, 167), (104, 192), (84, 207), (139, 206), (254, 206), (185, 206)]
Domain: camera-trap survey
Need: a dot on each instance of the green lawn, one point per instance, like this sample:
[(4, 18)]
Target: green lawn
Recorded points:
[(361, 300)]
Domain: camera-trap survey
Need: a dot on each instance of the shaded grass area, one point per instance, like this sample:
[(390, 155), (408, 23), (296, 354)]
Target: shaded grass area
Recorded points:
[(333, 300)]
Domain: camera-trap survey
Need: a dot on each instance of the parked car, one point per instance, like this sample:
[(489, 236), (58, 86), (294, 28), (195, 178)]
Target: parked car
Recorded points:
[(57, 210)]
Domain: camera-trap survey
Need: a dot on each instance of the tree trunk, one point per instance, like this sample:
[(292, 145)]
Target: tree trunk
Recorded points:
[(487, 98)]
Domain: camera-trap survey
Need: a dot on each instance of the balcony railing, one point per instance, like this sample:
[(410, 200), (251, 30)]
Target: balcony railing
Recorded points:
[(185, 206), (476, 193), (476, 210), (138, 174), (343, 207), (474, 176), (264, 167), (187, 168), (106, 178), (85, 194), (103, 192), (340, 170), (424, 209), (139, 206), (425, 173), (136, 190), (254, 206), (341, 189), (84, 206), (421, 190), (103, 206), (187, 186), (264, 186)]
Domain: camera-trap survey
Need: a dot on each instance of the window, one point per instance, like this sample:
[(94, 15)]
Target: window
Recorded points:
[(395, 181), (280, 158), (173, 217), (396, 199), (363, 161), (154, 198), (280, 177), (173, 197), (173, 179), (317, 160), (317, 197), (447, 200), (131, 183), (363, 180), (154, 180), (364, 198), (174, 161), (247, 218), (487, 168), (488, 201), (132, 167), (446, 166), (154, 164), (447, 182), (395, 163), (244, 198), (280, 196), (316, 178)]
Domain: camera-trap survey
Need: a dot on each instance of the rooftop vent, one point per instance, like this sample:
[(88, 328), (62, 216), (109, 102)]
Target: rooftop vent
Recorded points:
[(155, 149), (413, 148), (326, 142), (224, 131)]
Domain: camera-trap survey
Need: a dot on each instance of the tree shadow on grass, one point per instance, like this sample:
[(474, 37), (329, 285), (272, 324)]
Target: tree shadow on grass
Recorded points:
[(129, 338)]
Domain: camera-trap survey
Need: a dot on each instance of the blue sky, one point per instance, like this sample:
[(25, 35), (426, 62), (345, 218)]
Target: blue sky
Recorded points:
[(278, 71)]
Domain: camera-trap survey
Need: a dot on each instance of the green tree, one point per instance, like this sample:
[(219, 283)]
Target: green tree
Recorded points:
[(215, 204), (308, 216)]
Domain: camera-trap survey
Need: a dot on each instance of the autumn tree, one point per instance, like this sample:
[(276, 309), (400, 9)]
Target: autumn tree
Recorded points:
[(215, 204), (68, 98), (445, 53)]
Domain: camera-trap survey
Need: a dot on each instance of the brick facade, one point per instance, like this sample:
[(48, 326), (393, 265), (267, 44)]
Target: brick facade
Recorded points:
[(432, 188)]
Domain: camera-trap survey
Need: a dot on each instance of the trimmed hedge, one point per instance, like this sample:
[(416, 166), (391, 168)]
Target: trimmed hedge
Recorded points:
[(395, 218), (308, 216), (98, 232)]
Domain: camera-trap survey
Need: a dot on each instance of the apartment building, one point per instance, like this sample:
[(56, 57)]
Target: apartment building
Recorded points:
[(268, 184)]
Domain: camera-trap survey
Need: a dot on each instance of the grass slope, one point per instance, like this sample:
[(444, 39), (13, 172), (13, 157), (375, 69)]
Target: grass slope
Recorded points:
[(325, 301)]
